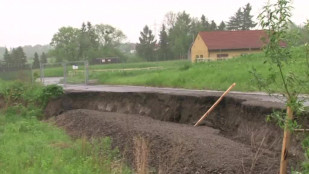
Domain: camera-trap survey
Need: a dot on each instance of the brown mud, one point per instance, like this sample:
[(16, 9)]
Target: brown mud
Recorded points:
[(234, 138)]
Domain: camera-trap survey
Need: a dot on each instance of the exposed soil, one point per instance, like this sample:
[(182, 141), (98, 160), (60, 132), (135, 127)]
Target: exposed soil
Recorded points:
[(174, 148), (234, 138)]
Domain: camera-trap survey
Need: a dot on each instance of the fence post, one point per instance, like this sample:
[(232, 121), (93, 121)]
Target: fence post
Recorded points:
[(86, 72), (32, 79), (41, 76), (64, 74)]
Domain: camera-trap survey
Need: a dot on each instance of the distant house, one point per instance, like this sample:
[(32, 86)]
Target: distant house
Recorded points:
[(218, 45), (106, 60)]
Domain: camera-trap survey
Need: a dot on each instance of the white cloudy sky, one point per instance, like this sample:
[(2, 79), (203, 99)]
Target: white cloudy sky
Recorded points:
[(30, 22)]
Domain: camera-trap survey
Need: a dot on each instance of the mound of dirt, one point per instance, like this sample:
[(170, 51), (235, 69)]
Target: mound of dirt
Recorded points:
[(173, 147)]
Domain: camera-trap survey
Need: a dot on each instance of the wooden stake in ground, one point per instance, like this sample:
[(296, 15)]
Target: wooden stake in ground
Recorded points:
[(286, 143), (214, 105)]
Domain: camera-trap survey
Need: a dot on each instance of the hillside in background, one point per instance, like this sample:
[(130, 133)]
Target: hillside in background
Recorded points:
[(29, 50)]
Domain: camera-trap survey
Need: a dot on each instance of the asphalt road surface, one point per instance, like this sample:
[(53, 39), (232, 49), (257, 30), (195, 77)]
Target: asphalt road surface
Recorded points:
[(256, 96)]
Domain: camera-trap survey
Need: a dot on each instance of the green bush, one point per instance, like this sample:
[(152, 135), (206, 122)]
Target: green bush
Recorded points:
[(50, 92)]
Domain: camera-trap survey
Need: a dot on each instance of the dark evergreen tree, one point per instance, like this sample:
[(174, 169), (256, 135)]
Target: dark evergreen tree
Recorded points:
[(88, 42), (181, 36), (236, 21), (213, 26), (146, 47), (205, 24), (164, 51), (222, 26), (83, 41), (43, 58), (7, 57), (247, 18), (36, 62), (18, 57), (242, 20)]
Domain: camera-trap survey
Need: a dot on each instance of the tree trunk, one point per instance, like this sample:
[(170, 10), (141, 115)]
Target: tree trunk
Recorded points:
[(286, 142)]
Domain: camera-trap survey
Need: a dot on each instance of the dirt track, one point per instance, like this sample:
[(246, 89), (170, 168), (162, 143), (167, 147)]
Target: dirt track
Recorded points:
[(174, 148)]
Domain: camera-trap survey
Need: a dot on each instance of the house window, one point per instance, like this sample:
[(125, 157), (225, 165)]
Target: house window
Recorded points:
[(196, 56), (201, 56), (222, 56)]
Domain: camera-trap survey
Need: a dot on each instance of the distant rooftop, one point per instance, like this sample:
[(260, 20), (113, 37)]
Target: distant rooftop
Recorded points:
[(229, 40)]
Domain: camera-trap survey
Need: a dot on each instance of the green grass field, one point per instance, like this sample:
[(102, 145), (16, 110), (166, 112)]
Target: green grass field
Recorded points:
[(217, 75), (30, 146)]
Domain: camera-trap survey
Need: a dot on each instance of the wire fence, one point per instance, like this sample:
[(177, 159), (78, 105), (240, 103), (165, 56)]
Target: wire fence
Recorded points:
[(21, 72), (75, 72)]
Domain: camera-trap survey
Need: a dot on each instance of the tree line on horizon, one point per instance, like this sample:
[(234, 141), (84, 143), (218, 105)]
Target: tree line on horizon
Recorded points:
[(176, 36), (179, 31), (86, 43), (16, 58)]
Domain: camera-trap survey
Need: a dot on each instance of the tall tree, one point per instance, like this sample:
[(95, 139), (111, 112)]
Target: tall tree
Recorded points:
[(222, 26), (196, 27), (247, 18), (43, 58), (170, 19), (146, 47), (18, 58), (7, 57), (242, 20), (180, 36), (88, 42), (205, 24), (164, 51), (66, 44), (109, 36), (236, 21), (213, 26), (36, 62)]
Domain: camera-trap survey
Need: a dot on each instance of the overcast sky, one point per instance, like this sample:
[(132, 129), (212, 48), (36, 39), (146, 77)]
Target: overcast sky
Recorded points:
[(30, 22)]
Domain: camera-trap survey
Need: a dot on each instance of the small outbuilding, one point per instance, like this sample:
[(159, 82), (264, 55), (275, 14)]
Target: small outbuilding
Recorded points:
[(218, 45), (106, 60)]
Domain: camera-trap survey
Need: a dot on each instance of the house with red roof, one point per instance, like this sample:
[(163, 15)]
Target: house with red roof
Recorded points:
[(218, 45)]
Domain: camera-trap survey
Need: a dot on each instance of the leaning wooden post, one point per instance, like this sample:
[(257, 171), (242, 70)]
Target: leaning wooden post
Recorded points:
[(286, 142), (214, 105)]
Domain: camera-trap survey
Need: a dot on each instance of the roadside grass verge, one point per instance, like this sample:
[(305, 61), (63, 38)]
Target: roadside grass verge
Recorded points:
[(216, 75), (28, 145), (58, 71)]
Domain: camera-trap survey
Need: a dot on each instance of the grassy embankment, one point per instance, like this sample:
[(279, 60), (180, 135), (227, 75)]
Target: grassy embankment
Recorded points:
[(28, 145), (183, 74)]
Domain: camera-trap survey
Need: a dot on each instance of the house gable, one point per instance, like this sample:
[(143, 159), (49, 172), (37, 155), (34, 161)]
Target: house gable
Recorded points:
[(199, 49)]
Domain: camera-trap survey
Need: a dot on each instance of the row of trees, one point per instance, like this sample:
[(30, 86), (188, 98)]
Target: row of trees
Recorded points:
[(17, 58), (86, 43), (14, 58), (175, 38), (37, 60), (179, 31)]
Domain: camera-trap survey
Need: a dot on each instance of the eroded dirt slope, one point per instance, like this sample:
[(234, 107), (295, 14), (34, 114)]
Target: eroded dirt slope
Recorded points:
[(174, 148)]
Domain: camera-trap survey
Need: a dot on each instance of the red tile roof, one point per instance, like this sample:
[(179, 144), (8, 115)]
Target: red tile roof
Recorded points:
[(223, 40)]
